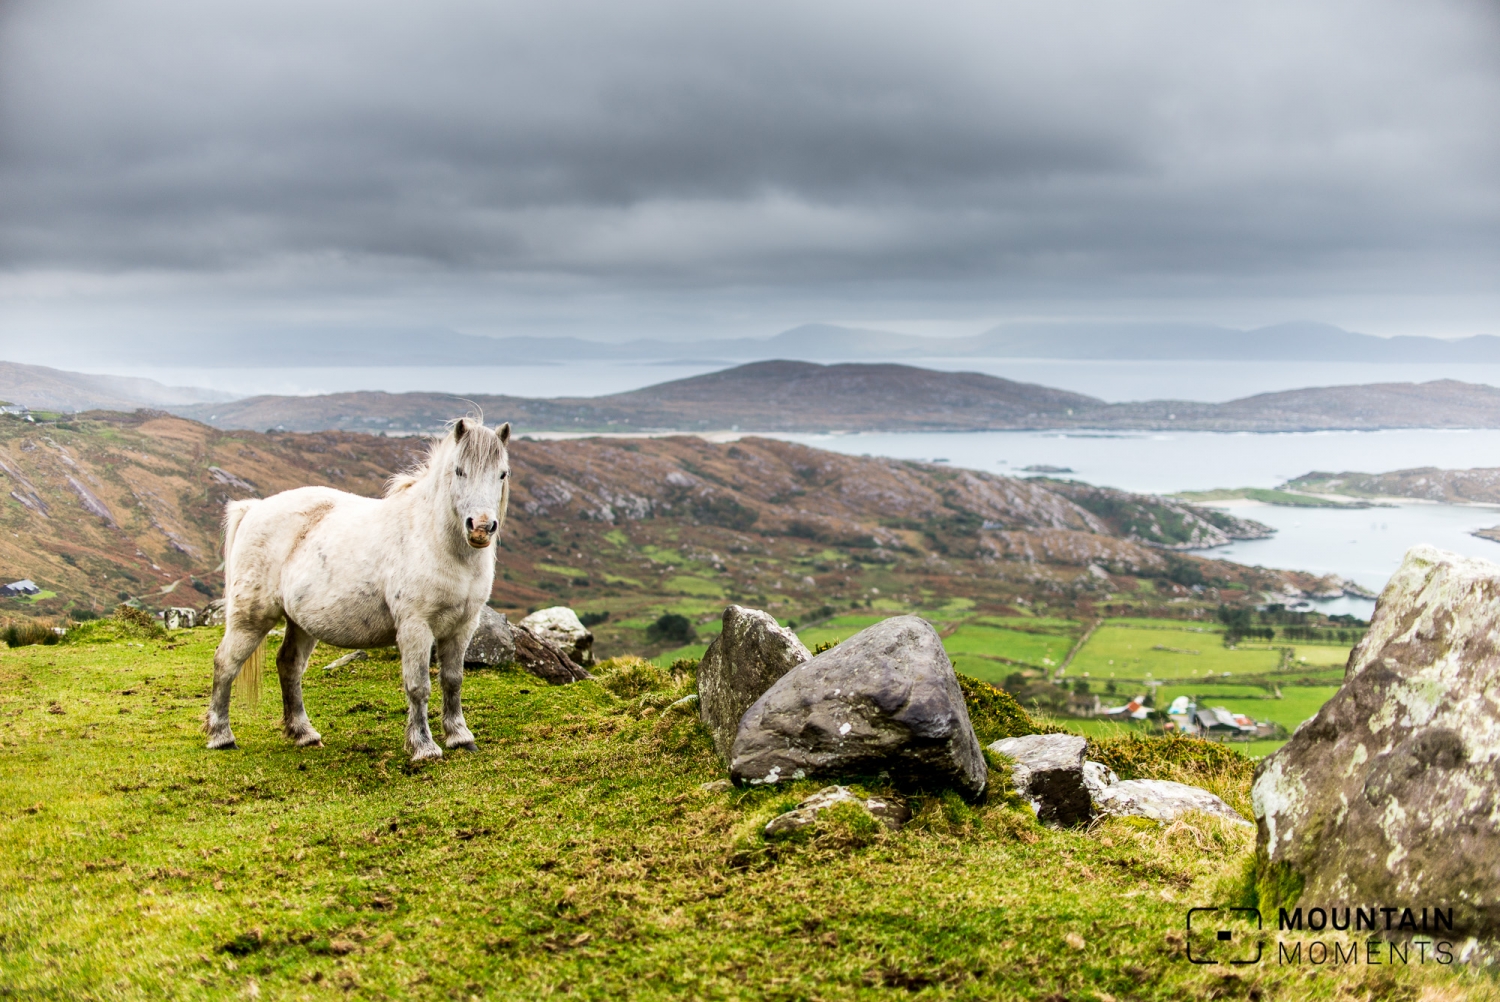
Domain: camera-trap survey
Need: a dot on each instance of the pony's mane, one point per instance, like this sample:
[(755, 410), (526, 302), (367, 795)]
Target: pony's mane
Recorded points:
[(479, 449)]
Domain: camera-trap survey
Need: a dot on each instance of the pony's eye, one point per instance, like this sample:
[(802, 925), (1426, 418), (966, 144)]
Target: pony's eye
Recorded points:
[(459, 470), (504, 474)]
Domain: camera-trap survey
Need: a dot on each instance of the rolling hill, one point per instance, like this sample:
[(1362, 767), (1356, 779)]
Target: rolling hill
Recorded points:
[(786, 396), (110, 507)]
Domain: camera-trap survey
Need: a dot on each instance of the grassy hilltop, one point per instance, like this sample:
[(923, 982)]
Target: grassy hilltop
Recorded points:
[(575, 854)]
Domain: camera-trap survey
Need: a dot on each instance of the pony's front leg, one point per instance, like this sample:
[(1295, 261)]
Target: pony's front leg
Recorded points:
[(415, 641), (291, 662), (451, 675), (233, 651)]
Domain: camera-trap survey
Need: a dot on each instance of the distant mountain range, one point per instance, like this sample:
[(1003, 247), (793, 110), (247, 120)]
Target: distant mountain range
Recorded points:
[(428, 346), (41, 388), (787, 396)]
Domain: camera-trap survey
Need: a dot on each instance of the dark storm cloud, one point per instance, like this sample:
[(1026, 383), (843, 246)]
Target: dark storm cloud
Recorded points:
[(953, 150)]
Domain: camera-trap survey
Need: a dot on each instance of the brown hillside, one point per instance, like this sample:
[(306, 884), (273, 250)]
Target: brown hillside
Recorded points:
[(113, 506)]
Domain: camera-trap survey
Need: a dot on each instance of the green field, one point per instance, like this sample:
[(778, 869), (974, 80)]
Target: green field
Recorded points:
[(837, 629), (1039, 650), (1297, 702), (1321, 655), (1160, 652)]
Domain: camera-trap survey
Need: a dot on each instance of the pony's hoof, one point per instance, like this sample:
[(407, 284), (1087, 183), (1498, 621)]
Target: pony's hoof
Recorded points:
[(461, 739), (426, 753), (464, 745), (222, 744), (307, 739)]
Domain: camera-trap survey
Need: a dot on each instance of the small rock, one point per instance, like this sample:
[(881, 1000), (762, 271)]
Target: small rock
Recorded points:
[(1074, 940), (1096, 776), (562, 626), (1157, 799), (750, 653), (179, 618), (717, 786), (493, 642), (888, 813), (885, 701), (1161, 800), (212, 614), (349, 658), (545, 659), (1048, 772)]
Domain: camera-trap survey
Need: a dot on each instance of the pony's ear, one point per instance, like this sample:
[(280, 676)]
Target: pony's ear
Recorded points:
[(460, 429), (504, 433)]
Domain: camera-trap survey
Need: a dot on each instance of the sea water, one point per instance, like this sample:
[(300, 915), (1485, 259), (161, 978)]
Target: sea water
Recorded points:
[(1362, 544)]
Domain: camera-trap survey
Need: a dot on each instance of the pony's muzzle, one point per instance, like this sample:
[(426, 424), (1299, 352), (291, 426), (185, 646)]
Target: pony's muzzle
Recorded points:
[(479, 535)]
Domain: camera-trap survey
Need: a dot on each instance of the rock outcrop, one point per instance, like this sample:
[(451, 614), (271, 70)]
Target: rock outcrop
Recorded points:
[(1160, 800), (1389, 796), (1048, 772), (750, 654), (179, 618), (1064, 788), (562, 626), (887, 812), (493, 642), (884, 702), (544, 659)]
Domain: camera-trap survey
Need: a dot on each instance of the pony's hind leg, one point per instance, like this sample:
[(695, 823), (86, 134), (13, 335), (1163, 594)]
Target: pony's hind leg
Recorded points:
[(233, 651), (415, 641), (291, 662), (451, 674)]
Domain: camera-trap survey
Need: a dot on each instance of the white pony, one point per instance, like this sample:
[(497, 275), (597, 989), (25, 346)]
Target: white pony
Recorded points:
[(408, 568)]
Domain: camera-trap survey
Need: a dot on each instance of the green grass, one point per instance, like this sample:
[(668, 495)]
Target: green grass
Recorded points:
[(1297, 702), (687, 584), (1268, 496), (574, 853), (567, 572), (993, 653), (1321, 655), (694, 651), (1133, 652), (1044, 623), (837, 629)]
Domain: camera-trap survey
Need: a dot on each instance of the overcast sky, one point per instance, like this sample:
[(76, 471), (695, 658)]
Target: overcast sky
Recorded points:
[(707, 169)]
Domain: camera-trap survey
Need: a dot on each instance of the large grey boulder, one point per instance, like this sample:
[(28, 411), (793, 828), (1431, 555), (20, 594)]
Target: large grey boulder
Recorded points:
[(1047, 771), (750, 653), (493, 642), (885, 701), (544, 659), (562, 627), (1390, 794)]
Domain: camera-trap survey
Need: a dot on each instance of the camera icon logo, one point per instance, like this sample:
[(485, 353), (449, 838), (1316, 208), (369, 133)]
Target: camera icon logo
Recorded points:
[(1224, 935)]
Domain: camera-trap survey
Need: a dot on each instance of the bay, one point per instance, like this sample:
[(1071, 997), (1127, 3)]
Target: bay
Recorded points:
[(1365, 545)]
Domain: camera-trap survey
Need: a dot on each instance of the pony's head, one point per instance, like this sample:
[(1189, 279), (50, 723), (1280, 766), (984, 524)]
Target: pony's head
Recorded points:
[(470, 468)]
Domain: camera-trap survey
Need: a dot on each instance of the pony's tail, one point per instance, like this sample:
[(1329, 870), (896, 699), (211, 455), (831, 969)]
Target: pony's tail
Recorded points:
[(247, 682)]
